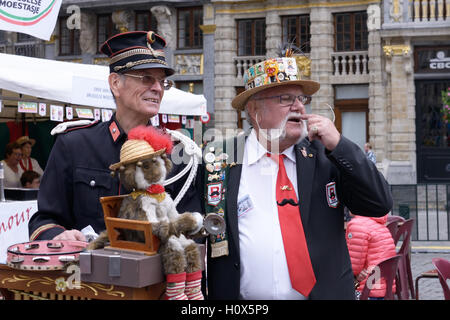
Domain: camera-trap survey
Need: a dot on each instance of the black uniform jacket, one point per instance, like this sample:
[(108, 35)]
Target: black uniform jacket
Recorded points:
[(360, 187), (77, 175)]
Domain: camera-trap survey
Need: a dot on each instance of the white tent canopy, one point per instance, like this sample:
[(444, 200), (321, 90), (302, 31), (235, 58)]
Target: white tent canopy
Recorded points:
[(80, 84)]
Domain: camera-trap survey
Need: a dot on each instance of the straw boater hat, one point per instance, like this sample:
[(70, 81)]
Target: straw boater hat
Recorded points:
[(25, 139), (272, 73), (136, 50), (143, 143)]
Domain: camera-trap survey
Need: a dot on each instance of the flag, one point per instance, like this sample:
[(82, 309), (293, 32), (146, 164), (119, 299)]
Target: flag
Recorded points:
[(36, 18)]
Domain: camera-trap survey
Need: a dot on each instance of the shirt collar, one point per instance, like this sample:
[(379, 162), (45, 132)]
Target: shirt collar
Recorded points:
[(256, 151)]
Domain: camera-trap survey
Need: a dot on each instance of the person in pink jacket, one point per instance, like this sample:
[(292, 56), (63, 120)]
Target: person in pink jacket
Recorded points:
[(369, 242)]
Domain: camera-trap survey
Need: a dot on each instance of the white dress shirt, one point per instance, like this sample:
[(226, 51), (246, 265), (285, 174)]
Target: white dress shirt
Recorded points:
[(264, 271)]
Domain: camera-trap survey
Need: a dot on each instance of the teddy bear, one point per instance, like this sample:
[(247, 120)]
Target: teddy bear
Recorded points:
[(143, 168)]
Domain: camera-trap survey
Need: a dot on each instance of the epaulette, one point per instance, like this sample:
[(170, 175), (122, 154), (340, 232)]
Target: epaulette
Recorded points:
[(73, 125)]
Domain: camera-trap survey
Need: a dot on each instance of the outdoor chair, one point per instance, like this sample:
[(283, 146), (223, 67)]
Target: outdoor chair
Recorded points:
[(404, 274), (443, 268), (387, 270), (393, 228), (395, 218)]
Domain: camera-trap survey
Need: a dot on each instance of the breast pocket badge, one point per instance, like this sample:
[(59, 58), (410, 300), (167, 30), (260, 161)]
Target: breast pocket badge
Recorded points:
[(332, 198)]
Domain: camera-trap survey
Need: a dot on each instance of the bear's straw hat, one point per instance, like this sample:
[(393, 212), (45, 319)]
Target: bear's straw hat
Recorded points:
[(141, 144)]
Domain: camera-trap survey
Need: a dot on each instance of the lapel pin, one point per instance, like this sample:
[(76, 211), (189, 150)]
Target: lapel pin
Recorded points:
[(303, 152), (310, 155)]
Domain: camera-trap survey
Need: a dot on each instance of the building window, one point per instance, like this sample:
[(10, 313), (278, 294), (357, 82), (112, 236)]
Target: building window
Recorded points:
[(189, 34), (351, 31), (145, 21), (105, 29), (296, 30), (251, 37), (69, 39), (23, 37)]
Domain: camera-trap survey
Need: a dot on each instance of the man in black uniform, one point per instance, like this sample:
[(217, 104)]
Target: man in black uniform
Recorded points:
[(77, 173)]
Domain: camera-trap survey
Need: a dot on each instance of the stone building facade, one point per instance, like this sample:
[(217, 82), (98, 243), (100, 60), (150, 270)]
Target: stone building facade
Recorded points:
[(383, 76)]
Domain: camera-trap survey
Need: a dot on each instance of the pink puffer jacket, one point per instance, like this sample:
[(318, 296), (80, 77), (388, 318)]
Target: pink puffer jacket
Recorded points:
[(369, 242)]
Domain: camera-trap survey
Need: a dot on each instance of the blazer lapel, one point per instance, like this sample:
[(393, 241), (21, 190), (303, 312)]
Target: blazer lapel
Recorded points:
[(234, 178), (305, 157)]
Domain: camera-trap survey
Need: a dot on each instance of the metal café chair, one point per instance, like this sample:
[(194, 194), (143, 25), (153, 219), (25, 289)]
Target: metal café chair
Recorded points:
[(443, 269), (393, 223), (404, 274), (387, 271)]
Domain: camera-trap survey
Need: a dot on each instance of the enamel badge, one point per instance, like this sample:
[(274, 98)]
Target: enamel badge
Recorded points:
[(214, 193), (332, 198)]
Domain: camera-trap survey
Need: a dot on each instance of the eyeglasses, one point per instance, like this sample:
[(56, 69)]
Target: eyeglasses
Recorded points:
[(287, 100), (148, 80)]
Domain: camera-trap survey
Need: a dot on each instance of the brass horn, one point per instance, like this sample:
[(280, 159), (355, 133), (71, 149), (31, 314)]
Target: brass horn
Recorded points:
[(214, 224)]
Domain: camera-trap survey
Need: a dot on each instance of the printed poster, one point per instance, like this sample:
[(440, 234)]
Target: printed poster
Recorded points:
[(56, 113), (27, 107), (155, 120), (42, 109), (97, 115), (69, 113), (106, 114), (84, 113), (174, 118)]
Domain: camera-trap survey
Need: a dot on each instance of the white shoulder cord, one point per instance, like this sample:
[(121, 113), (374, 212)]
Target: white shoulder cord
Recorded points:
[(192, 150)]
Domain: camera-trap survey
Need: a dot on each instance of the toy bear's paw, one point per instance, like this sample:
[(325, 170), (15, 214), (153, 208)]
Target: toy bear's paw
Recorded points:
[(162, 230), (188, 222)]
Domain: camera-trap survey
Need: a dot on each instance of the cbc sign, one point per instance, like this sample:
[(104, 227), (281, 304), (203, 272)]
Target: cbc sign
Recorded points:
[(440, 62)]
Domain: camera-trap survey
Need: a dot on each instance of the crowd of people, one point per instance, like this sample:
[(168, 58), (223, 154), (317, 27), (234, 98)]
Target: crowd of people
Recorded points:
[(20, 169), (285, 235)]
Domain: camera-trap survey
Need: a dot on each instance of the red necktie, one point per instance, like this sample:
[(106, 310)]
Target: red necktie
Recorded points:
[(295, 248)]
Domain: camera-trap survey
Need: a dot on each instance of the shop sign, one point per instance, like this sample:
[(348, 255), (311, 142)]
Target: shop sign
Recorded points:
[(434, 59), (440, 62)]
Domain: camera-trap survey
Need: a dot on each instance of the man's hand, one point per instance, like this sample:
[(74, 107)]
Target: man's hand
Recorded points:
[(71, 235), (321, 128)]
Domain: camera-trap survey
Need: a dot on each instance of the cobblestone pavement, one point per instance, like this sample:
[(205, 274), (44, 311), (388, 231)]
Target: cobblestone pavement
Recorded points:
[(421, 255)]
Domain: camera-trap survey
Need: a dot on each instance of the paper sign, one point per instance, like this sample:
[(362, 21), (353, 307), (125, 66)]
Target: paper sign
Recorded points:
[(97, 114), (84, 113), (42, 109), (56, 113), (183, 119), (174, 118), (164, 118), (106, 114), (69, 113), (14, 217), (27, 107), (155, 121)]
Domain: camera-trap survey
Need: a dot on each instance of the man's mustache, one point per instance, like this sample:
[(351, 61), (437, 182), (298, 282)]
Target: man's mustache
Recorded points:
[(286, 201)]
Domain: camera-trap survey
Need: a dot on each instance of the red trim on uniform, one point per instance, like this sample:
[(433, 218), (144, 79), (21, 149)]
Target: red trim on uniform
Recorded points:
[(114, 131), (86, 126)]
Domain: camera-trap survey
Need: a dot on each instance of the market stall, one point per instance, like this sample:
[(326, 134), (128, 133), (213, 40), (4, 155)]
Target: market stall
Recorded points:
[(36, 94)]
